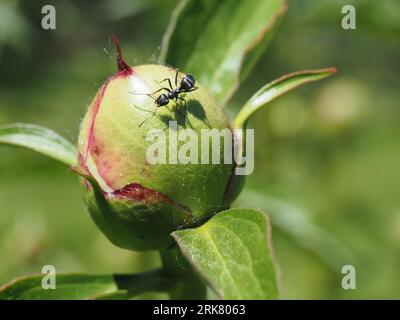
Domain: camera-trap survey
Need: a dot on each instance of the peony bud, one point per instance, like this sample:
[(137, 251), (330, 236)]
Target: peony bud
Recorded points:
[(138, 204)]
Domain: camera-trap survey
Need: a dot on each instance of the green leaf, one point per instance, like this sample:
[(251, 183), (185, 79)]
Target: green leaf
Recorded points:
[(39, 139), (233, 254), (275, 89), (81, 286), (68, 286), (220, 41)]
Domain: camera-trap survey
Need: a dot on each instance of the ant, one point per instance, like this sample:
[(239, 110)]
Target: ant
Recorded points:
[(187, 85)]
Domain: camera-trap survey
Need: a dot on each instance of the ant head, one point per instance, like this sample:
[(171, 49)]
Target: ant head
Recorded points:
[(187, 82), (162, 100)]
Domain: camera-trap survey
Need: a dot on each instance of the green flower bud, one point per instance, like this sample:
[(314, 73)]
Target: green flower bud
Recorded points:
[(135, 203)]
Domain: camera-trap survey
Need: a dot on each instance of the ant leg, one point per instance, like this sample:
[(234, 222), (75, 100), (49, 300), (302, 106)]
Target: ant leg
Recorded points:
[(150, 94), (176, 77), (181, 99), (166, 89), (193, 89), (184, 105), (169, 82)]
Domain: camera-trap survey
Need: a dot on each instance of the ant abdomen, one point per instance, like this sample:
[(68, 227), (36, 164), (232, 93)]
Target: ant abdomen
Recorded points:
[(187, 82)]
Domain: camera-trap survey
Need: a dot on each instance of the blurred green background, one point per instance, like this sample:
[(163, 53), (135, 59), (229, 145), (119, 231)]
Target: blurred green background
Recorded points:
[(327, 155)]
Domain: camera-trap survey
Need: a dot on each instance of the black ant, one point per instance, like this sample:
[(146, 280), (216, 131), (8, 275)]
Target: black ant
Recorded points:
[(187, 85)]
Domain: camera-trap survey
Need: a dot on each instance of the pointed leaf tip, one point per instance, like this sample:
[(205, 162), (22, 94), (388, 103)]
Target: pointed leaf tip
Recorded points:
[(277, 88)]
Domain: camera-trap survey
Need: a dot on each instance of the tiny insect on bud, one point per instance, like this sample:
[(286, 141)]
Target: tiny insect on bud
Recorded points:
[(135, 203)]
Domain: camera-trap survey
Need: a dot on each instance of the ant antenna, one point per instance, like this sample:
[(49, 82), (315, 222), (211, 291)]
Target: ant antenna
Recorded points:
[(148, 118), (143, 94)]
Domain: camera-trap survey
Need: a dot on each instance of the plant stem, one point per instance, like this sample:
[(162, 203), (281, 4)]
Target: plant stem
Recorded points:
[(189, 286), (151, 281)]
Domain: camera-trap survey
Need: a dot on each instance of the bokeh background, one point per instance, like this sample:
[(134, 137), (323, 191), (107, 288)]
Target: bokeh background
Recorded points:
[(327, 155)]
